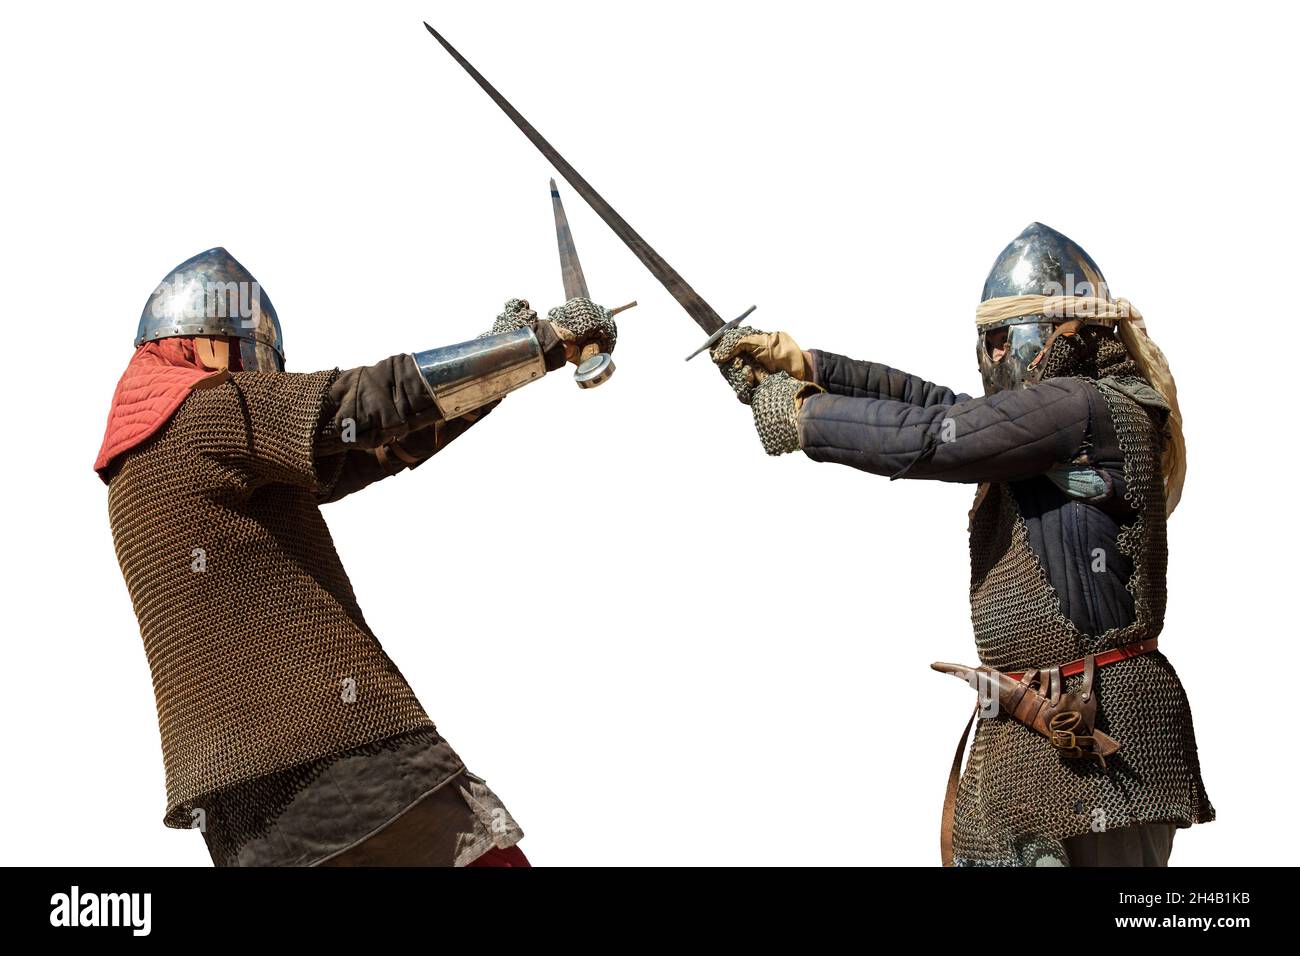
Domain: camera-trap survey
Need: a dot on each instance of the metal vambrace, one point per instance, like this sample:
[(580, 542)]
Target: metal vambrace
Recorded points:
[(471, 374)]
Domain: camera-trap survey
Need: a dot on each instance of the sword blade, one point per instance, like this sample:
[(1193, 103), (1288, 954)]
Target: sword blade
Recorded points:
[(688, 298), (575, 284)]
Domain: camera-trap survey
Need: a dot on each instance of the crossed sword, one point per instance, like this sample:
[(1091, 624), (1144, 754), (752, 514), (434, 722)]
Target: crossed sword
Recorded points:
[(599, 366)]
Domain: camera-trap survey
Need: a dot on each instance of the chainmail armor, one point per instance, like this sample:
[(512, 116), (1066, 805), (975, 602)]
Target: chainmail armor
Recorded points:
[(249, 655), (1018, 800), (584, 319), (517, 315), (1093, 352), (736, 372), (775, 415), (587, 321)]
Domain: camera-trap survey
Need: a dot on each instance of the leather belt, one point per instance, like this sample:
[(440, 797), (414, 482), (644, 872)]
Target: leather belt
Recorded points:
[(1104, 658)]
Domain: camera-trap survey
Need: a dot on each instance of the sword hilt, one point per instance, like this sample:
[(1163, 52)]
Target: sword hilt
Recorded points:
[(595, 367), (713, 339)]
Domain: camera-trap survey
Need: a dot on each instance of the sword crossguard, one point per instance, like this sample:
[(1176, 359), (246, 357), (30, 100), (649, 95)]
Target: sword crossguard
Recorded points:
[(574, 284), (712, 340)]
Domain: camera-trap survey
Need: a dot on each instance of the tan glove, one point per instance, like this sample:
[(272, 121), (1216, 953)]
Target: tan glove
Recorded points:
[(771, 351)]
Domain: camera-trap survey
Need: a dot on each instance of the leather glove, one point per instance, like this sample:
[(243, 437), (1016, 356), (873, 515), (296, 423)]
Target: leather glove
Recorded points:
[(776, 401), (580, 322), (519, 314), (770, 351)]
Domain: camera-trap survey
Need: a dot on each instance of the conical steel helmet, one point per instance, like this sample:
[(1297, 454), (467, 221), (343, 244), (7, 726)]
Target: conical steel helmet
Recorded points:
[(1042, 261), (213, 294)]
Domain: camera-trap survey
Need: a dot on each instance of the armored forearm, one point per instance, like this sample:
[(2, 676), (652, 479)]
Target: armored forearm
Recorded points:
[(858, 379), (373, 405), (460, 378)]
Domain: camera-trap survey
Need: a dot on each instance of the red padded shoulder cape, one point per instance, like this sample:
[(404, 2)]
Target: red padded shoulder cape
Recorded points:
[(157, 379)]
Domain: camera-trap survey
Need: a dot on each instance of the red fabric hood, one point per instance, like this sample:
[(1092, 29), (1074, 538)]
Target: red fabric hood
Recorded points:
[(157, 379)]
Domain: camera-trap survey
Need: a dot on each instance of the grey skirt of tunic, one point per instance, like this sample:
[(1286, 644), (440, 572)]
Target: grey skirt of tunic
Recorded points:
[(404, 801)]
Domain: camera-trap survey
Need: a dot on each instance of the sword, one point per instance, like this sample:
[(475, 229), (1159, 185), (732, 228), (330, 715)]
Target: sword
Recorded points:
[(575, 283), (594, 366), (690, 300)]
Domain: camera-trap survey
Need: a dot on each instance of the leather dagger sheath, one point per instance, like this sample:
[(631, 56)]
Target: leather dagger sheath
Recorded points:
[(1038, 700)]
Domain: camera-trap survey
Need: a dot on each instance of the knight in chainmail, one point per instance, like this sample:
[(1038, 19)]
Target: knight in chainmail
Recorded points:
[(1077, 451), (289, 736)]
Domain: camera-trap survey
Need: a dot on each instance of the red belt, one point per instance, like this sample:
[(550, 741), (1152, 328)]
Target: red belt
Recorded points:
[(1107, 657)]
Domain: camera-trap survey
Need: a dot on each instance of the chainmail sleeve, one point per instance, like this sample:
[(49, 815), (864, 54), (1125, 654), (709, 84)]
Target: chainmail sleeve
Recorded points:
[(260, 428), (1004, 437), (857, 379)]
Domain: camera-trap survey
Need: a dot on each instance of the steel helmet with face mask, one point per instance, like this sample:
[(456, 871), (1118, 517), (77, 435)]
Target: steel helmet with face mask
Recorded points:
[(1039, 261)]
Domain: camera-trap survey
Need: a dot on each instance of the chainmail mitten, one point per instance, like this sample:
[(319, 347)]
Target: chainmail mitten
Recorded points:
[(735, 371), (520, 315), (517, 315), (586, 322), (775, 411)]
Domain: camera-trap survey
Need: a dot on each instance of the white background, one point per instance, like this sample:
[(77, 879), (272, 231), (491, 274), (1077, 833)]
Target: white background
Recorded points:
[(740, 674)]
